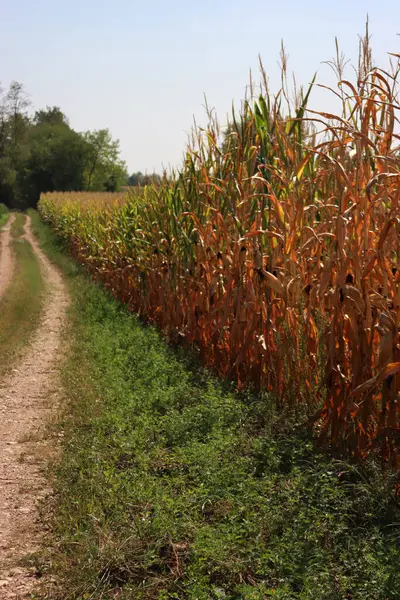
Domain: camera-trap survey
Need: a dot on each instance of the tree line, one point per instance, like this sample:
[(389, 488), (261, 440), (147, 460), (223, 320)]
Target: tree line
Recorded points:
[(43, 153), (141, 179)]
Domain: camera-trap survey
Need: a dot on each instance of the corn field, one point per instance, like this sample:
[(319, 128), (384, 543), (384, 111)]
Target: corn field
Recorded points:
[(275, 251)]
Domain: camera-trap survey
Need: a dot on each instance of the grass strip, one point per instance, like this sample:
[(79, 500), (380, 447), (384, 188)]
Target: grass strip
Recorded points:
[(4, 214), (170, 485), (20, 307), (17, 228)]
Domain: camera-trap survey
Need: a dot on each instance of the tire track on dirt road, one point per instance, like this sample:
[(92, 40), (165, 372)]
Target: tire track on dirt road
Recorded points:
[(28, 397), (6, 257)]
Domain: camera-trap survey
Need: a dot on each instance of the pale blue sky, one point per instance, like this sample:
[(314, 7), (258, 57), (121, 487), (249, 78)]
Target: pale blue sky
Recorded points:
[(142, 68)]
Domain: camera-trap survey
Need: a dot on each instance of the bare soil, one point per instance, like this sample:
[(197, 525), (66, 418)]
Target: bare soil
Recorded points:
[(29, 396), (6, 258)]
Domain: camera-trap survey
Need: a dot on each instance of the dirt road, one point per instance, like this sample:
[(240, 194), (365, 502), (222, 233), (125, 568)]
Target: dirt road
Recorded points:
[(6, 258), (28, 396)]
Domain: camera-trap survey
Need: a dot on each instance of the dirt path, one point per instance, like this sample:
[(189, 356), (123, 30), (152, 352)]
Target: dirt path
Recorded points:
[(6, 259), (27, 397)]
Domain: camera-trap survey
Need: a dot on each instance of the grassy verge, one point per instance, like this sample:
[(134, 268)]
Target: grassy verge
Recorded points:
[(21, 304), (17, 228), (3, 215), (172, 486)]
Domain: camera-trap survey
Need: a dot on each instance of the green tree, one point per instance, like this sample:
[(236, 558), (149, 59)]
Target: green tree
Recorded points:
[(104, 168), (16, 103), (43, 153), (57, 157), (14, 128), (51, 115)]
